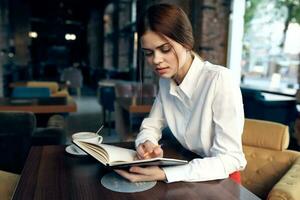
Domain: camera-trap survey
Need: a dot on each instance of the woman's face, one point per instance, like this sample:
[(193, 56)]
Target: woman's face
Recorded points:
[(160, 53)]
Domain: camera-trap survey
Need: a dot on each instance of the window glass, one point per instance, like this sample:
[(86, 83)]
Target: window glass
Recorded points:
[(271, 44)]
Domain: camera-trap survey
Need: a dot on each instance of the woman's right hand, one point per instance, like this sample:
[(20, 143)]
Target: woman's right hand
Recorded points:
[(148, 150)]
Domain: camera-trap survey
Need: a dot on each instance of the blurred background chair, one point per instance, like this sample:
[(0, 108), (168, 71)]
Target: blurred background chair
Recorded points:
[(128, 124), (53, 86), (74, 79), (18, 132), (53, 134), (16, 129), (145, 90), (272, 171), (30, 92), (124, 90), (106, 100)]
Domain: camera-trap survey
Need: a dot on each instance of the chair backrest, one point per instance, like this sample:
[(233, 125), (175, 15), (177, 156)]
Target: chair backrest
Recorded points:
[(124, 90), (146, 90), (73, 76), (135, 89), (53, 86), (265, 145), (265, 134), (30, 92), (16, 129), (107, 98)]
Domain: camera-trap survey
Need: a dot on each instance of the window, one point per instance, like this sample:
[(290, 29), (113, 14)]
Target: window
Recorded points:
[(270, 57)]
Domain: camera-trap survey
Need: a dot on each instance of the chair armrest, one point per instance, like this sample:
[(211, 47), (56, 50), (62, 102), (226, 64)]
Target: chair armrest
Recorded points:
[(289, 185), (8, 183), (61, 93), (49, 136)]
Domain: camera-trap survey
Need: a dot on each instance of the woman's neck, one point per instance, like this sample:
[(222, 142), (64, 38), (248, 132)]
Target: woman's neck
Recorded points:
[(178, 78)]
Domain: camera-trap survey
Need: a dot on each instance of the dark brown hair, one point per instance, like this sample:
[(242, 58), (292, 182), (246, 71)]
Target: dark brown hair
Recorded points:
[(168, 20)]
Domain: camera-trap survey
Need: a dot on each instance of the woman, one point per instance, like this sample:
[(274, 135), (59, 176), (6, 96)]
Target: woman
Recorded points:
[(197, 100)]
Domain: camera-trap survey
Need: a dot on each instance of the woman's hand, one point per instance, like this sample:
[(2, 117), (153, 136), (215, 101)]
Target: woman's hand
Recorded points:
[(137, 174), (145, 150), (148, 150)]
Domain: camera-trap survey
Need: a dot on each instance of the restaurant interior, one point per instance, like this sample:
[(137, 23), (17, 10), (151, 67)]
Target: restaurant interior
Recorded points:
[(69, 66)]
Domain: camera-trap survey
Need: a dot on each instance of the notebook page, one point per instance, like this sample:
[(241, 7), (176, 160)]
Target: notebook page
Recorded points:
[(118, 153)]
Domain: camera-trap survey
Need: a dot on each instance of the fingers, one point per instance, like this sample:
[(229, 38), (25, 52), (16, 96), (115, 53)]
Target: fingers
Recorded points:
[(145, 149), (140, 152), (131, 176), (158, 152), (148, 146), (136, 174), (148, 150), (141, 170)]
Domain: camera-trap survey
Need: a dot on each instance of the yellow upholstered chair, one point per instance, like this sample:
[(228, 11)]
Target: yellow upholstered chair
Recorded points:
[(8, 183), (53, 86), (272, 171)]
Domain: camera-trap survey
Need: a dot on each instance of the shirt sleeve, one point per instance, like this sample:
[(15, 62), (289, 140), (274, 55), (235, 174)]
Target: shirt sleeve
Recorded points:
[(151, 127), (225, 155)]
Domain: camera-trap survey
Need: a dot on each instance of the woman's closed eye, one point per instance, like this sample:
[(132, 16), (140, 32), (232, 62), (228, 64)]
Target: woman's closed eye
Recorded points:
[(165, 48)]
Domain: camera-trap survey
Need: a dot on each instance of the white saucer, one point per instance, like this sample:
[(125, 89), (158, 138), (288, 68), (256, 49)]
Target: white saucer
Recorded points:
[(116, 183), (74, 150)]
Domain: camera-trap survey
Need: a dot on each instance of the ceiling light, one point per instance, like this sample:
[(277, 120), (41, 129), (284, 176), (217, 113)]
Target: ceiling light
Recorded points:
[(33, 34), (70, 36)]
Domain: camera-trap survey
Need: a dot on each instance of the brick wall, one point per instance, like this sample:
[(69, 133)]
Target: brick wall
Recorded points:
[(212, 18)]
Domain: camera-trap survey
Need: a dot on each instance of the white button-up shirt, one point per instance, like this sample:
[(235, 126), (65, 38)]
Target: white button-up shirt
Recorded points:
[(205, 114)]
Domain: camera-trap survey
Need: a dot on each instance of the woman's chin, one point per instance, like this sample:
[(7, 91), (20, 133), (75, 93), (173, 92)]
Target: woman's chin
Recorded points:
[(165, 75)]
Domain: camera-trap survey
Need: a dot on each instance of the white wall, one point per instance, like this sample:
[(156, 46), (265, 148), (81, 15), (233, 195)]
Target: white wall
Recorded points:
[(235, 37)]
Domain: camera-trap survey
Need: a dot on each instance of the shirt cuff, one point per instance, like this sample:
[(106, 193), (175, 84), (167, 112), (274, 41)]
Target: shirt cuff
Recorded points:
[(176, 173)]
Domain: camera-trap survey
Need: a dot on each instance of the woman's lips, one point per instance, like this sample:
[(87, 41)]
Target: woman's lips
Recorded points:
[(161, 70)]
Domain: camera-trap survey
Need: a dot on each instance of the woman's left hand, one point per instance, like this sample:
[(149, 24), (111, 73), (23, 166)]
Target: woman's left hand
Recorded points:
[(136, 174)]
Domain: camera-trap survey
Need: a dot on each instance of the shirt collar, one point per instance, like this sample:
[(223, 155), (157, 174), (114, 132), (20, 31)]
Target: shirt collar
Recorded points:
[(187, 86)]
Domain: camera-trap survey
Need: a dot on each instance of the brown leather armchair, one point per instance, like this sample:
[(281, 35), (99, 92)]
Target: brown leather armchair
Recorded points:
[(272, 171)]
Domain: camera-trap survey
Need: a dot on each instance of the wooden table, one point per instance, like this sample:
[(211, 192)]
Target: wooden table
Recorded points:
[(50, 173), (39, 105)]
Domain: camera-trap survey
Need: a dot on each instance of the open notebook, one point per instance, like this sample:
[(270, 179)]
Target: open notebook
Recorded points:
[(117, 157)]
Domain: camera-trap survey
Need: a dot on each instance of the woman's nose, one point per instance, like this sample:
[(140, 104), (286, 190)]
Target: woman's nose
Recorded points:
[(157, 58)]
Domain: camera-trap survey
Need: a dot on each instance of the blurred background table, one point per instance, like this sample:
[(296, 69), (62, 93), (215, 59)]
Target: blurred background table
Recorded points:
[(39, 105)]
